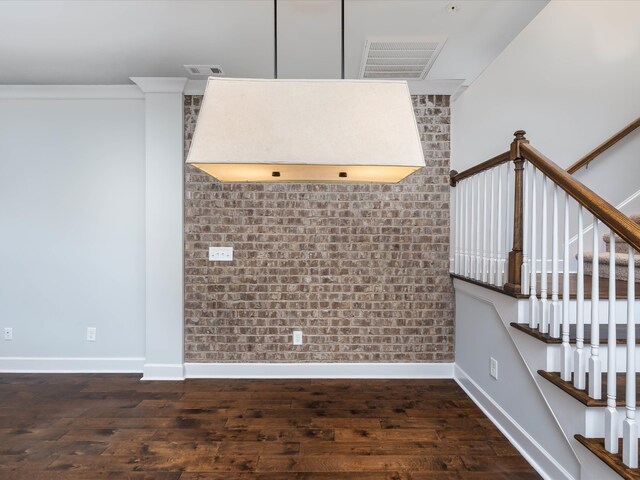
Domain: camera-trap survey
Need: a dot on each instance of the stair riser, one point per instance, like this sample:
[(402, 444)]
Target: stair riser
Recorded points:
[(603, 311), (621, 246), (621, 271), (553, 357), (594, 421)]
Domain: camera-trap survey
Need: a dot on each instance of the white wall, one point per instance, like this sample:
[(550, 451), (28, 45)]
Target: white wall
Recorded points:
[(72, 177), (570, 79)]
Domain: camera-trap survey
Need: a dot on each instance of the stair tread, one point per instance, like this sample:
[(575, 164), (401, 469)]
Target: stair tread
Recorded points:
[(621, 334), (613, 460), (619, 240), (603, 286), (583, 397), (621, 259)]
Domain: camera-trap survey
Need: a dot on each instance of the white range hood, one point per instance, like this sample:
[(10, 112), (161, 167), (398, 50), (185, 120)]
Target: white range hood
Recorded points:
[(251, 130)]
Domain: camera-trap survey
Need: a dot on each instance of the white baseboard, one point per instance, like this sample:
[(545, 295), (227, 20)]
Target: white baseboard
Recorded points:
[(318, 370), (163, 371), (71, 365), (532, 451), (155, 371)]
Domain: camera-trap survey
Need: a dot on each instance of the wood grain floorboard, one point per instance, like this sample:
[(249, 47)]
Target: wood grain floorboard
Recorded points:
[(96, 426)]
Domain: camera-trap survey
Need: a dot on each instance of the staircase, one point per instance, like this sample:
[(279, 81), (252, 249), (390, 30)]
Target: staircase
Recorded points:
[(621, 257), (575, 303)]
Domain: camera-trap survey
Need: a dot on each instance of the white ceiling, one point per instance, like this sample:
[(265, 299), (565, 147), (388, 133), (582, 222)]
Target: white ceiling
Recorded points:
[(106, 42)]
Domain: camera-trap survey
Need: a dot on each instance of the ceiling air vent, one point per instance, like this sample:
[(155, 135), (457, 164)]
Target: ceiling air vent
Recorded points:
[(406, 59), (205, 70)]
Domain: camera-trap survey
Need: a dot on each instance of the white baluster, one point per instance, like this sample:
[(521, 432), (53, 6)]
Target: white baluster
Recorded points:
[(544, 307), (456, 234), (629, 425), (555, 307), (478, 237), (485, 204), (611, 414), (524, 272), (500, 233), (579, 361), (595, 367), (466, 228), (533, 299), (472, 226), (565, 349), (492, 221)]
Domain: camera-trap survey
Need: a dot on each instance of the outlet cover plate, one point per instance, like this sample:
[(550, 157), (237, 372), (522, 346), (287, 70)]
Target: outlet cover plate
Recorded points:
[(494, 368), (91, 334), (221, 254), (8, 333), (297, 337)]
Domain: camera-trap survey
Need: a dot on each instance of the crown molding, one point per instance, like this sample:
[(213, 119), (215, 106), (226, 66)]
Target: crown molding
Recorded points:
[(422, 87), (70, 92), (160, 84)]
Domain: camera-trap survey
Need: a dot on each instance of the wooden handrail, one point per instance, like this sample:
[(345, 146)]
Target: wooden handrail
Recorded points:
[(622, 225), (604, 146), (455, 177)]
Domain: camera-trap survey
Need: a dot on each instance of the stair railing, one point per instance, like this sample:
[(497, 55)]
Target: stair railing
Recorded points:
[(501, 239), (604, 146)]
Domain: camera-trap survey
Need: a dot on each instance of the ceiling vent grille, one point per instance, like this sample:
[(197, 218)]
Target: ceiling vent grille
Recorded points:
[(205, 70), (399, 59)]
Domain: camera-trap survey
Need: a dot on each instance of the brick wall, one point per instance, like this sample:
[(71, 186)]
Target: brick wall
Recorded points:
[(361, 269)]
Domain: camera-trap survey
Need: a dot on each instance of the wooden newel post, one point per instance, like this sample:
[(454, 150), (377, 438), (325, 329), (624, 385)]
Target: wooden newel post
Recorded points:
[(513, 284), (452, 178)]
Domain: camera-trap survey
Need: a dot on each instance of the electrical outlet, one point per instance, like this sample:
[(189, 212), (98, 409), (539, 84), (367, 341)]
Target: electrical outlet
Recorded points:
[(494, 368), (297, 337), (221, 254), (8, 333), (91, 334)]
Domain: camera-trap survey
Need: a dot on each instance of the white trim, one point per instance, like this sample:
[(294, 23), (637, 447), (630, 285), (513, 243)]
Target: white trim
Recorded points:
[(70, 92), (195, 87), (458, 92), (421, 87), (532, 451), (160, 84), (71, 364), (434, 87), (319, 370), (163, 371)]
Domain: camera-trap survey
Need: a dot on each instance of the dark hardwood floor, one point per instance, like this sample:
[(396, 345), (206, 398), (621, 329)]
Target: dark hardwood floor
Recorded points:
[(115, 426)]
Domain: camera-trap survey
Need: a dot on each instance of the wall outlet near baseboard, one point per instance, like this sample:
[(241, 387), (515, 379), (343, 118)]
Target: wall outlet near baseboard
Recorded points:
[(494, 368), (91, 334), (297, 337), (8, 333)]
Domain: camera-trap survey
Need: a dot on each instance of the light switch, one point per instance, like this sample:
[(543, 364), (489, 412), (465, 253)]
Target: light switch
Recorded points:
[(221, 254)]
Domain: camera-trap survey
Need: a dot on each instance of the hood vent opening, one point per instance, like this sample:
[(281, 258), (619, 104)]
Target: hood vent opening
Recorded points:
[(399, 59)]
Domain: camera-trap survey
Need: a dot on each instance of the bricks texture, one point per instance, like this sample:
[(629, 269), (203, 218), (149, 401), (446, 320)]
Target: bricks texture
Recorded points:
[(362, 270)]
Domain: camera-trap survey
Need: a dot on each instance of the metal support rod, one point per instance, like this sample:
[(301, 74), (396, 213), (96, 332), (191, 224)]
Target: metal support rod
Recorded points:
[(275, 38), (342, 39)]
